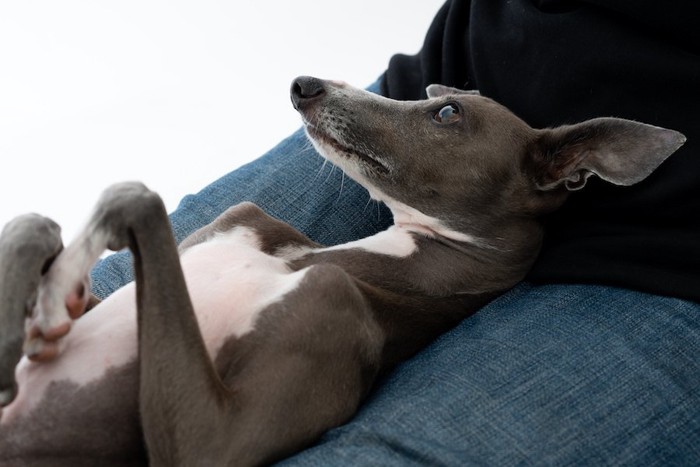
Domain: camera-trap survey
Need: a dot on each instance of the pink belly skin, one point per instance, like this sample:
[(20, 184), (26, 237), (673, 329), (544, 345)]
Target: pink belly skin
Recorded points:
[(230, 282)]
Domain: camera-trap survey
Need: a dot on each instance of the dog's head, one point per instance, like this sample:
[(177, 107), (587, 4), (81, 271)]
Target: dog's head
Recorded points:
[(457, 160)]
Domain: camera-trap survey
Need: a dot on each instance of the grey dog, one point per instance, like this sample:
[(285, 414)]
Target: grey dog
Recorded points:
[(250, 341)]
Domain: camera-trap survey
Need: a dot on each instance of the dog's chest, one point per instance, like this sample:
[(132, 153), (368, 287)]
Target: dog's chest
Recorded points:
[(230, 282)]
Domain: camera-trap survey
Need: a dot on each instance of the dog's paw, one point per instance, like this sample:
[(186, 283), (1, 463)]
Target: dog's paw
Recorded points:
[(61, 298)]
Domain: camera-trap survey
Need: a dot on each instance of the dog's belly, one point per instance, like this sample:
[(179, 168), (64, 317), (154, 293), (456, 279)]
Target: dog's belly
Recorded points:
[(229, 281)]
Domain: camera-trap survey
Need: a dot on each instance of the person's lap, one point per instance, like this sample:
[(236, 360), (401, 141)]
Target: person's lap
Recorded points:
[(557, 374), (545, 374)]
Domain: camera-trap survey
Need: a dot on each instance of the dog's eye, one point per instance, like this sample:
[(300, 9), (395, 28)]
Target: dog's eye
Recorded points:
[(447, 114)]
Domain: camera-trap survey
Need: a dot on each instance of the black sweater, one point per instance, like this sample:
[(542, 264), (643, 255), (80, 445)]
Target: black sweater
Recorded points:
[(563, 61)]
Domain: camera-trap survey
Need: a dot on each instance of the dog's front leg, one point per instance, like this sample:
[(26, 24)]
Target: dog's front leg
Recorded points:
[(28, 245), (181, 398)]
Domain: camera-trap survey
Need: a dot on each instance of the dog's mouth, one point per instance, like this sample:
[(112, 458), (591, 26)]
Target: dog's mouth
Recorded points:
[(346, 151)]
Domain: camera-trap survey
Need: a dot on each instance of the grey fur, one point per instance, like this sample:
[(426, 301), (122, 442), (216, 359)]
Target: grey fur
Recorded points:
[(482, 175)]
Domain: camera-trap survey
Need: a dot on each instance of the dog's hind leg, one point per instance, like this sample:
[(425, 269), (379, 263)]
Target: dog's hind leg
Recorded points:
[(28, 245), (304, 370)]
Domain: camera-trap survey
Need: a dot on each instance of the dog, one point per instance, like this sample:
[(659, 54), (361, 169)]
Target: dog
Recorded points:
[(249, 341)]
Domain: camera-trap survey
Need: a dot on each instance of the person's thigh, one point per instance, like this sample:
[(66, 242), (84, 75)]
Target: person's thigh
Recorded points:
[(557, 375), (291, 182)]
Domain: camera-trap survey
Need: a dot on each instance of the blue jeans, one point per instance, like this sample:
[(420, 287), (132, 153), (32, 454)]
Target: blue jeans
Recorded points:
[(554, 374)]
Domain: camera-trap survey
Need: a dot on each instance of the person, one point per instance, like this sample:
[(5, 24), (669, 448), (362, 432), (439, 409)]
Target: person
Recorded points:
[(593, 359)]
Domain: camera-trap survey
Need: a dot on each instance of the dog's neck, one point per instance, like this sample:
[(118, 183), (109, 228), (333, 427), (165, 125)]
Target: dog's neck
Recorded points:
[(476, 266), (412, 220), (421, 254)]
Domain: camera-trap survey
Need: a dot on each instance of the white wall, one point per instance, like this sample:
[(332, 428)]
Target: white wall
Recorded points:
[(173, 93)]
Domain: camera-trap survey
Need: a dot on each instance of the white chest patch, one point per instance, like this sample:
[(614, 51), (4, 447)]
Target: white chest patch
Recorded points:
[(392, 242), (230, 281)]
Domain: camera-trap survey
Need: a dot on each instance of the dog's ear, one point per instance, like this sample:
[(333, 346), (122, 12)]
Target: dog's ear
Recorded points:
[(619, 151), (438, 90)]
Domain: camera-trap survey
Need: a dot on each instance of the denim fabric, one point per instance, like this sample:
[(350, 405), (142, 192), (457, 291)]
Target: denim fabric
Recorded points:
[(578, 375), (545, 375)]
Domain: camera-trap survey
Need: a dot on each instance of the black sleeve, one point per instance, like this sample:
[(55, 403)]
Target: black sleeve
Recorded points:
[(443, 58)]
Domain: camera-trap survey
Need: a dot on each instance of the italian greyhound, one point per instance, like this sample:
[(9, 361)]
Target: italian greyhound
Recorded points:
[(249, 341)]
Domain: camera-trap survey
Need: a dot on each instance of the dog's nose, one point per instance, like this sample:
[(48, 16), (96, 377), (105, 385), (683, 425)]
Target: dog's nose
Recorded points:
[(305, 89)]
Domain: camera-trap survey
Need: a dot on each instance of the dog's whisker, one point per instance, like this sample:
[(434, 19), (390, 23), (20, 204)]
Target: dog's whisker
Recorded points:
[(307, 146), (320, 171), (369, 200), (342, 183), (330, 174), (376, 204)]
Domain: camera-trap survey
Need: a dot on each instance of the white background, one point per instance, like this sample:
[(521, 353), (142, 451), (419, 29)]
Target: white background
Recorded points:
[(172, 93)]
